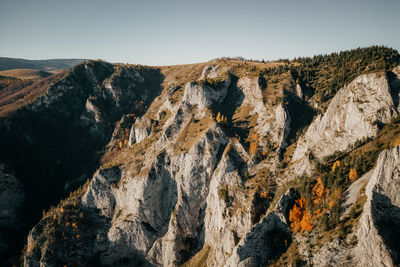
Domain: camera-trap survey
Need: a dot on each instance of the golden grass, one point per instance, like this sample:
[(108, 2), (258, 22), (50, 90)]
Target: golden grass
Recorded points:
[(25, 74), (12, 100), (182, 74), (192, 132)]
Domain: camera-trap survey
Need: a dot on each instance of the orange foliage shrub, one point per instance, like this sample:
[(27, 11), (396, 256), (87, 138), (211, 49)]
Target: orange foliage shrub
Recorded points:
[(305, 223), (335, 165), (299, 216), (353, 175)]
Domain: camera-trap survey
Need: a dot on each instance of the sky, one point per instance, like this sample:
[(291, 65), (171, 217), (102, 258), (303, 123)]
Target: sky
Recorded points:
[(168, 32)]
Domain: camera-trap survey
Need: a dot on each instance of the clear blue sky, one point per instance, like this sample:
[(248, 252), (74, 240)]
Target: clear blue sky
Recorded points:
[(173, 32)]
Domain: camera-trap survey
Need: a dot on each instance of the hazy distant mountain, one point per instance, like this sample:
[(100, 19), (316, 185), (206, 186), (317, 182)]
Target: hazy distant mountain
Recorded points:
[(7, 63)]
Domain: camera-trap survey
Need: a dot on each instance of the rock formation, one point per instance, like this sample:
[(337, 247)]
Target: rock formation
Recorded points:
[(203, 165)]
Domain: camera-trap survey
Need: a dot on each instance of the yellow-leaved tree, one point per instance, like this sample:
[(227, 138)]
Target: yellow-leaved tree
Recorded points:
[(335, 165), (353, 175)]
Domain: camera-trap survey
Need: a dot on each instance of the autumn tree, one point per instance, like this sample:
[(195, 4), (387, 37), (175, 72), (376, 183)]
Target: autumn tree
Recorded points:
[(353, 175), (218, 118), (221, 119), (336, 165), (299, 216)]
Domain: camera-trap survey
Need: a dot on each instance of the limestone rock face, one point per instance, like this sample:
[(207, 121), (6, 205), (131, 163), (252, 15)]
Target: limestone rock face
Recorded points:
[(99, 193), (141, 129), (265, 240), (378, 233), (299, 91), (186, 189), (203, 96), (334, 253), (259, 245), (355, 112), (132, 136), (225, 191), (184, 196), (273, 122), (212, 71)]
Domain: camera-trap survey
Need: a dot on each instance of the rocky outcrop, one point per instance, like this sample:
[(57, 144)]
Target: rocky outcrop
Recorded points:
[(353, 193), (211, 72), (267, 240), (272, 121), (203, 96), (227, 218), (357, 111), (187, 186), (140, 130), (286, 202), (299, 91), (53, 141), (132, 136), (182, 199), (102, 182), (333, 253), (378, 232)]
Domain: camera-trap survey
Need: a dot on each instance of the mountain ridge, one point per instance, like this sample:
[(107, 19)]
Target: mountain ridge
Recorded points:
[(194, 163)]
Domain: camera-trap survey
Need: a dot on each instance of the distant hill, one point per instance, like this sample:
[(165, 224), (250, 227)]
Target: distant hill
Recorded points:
[(7, 63), (26, 74)]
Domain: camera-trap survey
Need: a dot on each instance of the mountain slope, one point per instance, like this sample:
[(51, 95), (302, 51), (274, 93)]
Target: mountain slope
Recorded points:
[(207, 164)]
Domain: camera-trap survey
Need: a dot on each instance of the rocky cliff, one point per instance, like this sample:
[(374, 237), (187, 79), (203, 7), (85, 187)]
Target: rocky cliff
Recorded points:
[(357, 111), (222, 164)]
